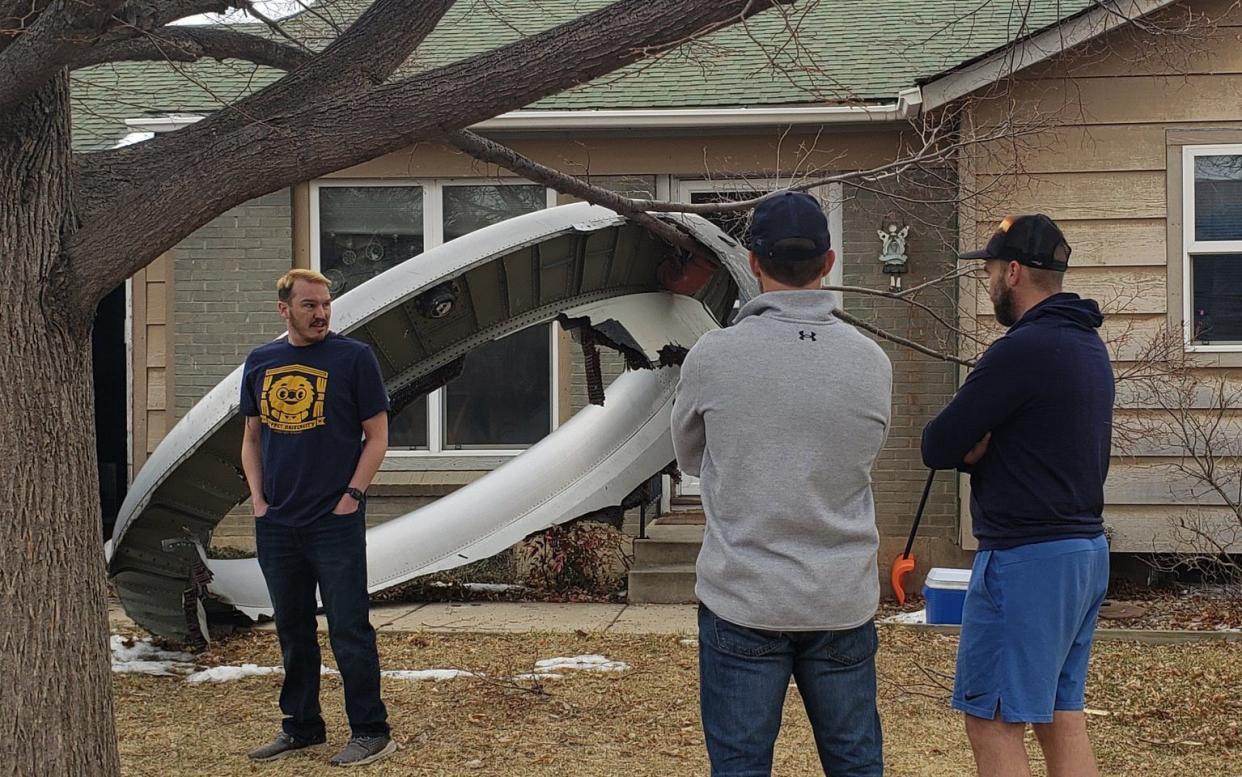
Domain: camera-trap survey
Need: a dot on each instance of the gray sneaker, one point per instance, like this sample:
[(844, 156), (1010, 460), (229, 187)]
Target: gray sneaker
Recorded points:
[(282, 746), (364, 750)]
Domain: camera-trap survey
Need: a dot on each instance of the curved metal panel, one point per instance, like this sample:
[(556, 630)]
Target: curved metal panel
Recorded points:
[(522, 272)]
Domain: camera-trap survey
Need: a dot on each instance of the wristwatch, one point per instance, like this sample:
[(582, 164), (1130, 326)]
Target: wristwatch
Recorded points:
[(359, 496)]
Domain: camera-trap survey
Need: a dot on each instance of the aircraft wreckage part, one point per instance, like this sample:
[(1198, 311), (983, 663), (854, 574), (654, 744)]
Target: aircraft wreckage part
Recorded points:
[(422, 318), (590, 463)]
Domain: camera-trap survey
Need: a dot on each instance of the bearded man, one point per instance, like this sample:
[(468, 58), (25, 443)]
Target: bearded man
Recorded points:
[(1032, 425)]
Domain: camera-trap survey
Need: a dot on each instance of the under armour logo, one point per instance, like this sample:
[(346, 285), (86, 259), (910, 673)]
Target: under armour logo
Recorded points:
[(803, 335)]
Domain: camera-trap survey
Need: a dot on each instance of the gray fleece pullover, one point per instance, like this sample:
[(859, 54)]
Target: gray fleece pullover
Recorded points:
[(782, 416)]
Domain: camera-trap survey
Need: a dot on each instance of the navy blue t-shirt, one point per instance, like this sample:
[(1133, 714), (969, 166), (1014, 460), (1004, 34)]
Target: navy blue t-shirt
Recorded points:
[(1045, 392), (311, 401)]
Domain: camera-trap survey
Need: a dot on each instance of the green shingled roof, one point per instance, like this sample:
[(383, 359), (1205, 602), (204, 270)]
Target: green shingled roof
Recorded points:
[(845, 51)]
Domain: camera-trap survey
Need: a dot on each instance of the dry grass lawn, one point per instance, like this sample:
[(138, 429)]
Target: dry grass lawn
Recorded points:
[(1162, 711)]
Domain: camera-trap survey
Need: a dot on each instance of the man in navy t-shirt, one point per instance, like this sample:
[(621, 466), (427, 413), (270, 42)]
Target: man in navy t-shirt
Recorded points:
[(1032, 424), (316, 431)]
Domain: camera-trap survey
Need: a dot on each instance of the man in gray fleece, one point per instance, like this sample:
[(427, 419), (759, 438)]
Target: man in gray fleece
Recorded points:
[(782, 416)]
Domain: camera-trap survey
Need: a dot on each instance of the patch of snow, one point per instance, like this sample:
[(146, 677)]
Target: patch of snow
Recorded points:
[(157, 668), (125, 649), (496, 588), (493, 588), (140, 656), (592, 663), (907, 617), (224, 674)]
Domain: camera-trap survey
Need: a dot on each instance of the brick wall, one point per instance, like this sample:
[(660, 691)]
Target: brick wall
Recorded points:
[(225, 292), (921, 385)]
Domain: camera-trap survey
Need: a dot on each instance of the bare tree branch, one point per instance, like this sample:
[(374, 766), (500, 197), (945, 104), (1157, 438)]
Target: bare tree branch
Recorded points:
[(60, 32), (378, 43), (886, 335), (307, 133), (936, 149), (490, 151), (189, 44), (150, 14), (271, 24)]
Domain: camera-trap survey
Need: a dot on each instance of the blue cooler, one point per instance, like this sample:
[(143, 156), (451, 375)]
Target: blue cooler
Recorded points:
[(945, 592)]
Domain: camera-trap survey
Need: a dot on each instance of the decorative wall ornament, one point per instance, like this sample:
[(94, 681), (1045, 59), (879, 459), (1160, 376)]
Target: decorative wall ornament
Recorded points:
[(893, 234)]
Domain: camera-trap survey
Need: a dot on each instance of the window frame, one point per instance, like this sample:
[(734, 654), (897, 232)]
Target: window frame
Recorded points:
[(433, 236), (1189, 246)]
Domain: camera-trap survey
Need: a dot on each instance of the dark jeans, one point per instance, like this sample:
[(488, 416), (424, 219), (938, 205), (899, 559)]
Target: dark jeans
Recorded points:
[(330, 552), (744, 675)]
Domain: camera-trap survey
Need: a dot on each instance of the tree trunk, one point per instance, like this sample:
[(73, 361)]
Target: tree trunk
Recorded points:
[(55, 678)]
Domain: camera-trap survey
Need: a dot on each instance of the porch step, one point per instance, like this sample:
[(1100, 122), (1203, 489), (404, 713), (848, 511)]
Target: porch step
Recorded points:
[(681, 518), (663, 571), (668, 544), (662, 584)]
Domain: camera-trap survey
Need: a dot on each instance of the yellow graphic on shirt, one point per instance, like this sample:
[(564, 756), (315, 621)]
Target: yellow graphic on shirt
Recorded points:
[(292, 398)]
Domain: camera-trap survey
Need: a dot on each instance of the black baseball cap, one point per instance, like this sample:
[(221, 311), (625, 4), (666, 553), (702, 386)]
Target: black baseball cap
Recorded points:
[(1033, 239), (792, 216)]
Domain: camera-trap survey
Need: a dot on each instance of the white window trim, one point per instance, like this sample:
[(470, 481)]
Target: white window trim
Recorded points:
[(1192, 247), (830, 195), (433, 235)]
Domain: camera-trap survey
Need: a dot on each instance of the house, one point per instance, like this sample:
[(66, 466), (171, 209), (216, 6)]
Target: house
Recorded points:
[(1129, 134)]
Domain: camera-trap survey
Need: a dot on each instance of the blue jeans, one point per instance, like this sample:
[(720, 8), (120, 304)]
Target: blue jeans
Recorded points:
[(330, 552), (744, 675)]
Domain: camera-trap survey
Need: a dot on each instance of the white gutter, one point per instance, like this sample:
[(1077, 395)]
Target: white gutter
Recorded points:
[(169, 123), (908, 103), (1108, 15)]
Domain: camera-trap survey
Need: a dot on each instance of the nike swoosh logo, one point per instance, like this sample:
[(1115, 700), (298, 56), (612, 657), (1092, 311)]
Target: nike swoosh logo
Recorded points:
[(972, 696)]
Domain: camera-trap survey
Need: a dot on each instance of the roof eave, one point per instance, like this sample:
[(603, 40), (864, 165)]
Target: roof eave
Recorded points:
[(907, 105), (960, 81)]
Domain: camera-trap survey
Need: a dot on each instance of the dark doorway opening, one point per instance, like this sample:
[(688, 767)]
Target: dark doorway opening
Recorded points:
[(111, 412)]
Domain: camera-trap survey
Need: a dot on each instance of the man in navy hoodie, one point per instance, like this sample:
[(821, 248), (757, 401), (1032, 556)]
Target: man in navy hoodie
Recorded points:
[(1032, 425)]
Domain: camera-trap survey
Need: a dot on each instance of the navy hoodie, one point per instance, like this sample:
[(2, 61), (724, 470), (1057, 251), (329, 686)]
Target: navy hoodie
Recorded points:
[(1045, 392)]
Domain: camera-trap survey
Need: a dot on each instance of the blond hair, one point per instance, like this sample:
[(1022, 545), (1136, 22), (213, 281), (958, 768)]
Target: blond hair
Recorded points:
[(284, 286)]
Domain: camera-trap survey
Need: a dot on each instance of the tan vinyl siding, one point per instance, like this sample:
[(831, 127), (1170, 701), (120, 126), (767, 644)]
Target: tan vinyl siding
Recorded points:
[(154, 384), (1101, 170)]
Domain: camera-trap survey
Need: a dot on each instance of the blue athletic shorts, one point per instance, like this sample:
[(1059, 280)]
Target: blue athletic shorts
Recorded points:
[(1027, 627)]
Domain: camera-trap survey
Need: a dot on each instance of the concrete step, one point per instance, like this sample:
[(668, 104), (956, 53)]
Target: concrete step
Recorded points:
[(662, 584), (668, 545), (690, 517)]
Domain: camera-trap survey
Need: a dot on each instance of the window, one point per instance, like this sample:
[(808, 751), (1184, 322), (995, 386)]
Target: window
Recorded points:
[(1212, 247), (504, 400), (738, 224)]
